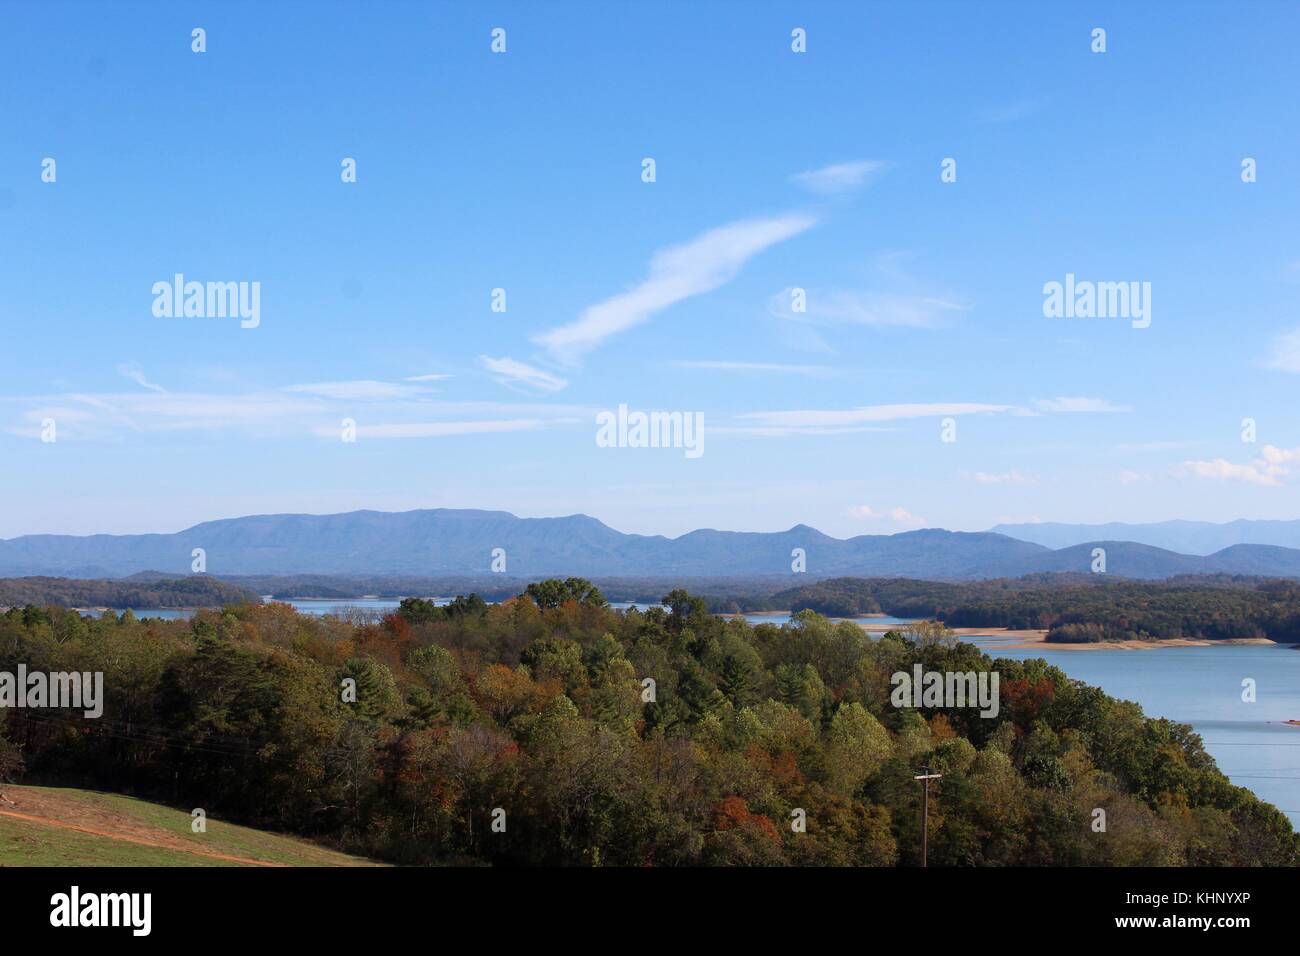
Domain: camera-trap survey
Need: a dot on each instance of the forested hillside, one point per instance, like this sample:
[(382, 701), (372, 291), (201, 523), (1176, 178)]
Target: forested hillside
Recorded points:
[(192, 591), (535, 715)]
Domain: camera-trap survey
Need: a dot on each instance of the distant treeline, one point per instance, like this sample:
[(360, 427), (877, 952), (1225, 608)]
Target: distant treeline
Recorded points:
[(490, 587), (195, 591), (1072, 607), (550, 729)]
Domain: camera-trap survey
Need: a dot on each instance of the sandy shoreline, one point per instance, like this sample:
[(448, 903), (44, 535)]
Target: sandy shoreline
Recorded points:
[(1031, 639)]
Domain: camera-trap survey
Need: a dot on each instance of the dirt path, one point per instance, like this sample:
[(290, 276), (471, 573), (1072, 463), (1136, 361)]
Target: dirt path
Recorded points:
[(103, 822)]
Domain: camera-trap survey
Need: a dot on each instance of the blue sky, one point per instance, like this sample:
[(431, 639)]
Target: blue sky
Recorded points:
[(774, 171)]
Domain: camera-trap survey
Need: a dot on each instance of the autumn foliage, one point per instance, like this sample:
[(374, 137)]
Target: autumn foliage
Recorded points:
[(552, 729)]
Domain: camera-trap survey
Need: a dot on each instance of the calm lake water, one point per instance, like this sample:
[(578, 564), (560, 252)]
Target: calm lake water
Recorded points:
[(1201, 686), (784, 617), (379, 606)]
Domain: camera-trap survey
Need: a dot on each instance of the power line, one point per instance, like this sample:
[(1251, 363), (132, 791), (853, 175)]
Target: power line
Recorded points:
[(925, 779)]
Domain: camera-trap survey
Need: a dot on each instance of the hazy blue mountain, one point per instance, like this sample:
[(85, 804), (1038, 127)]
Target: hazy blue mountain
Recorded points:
[(1185, 537), (1258, 559), (447, 542), (1127, 559)]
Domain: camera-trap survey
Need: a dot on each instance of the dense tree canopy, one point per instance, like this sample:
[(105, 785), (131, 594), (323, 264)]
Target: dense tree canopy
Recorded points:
[(561, 731), (197, 590)]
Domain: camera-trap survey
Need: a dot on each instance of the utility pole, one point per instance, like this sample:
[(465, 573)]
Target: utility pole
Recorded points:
[(925, 779)]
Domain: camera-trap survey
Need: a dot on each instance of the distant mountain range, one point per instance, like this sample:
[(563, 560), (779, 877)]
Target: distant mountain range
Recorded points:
[(448, 542), (1185, 537)]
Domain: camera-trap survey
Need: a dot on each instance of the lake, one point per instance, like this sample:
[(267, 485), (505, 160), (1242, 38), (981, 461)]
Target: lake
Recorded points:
[(784, 617)]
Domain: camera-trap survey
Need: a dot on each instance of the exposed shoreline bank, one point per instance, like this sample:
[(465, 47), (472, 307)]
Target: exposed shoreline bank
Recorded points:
[(1037, 638)]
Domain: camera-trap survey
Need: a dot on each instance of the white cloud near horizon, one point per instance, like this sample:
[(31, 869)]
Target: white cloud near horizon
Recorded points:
[(1268, 468), (516, 374), (896, 515), (838, 177), (679, 272)]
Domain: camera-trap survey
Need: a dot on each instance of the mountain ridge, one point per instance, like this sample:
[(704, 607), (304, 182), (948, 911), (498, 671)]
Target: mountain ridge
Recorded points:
[(1185, 537), (443, 541)]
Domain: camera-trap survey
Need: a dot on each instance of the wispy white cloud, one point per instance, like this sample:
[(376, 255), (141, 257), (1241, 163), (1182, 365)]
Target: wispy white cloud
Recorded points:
[(437, 429), (1012, 112), (519, 375), (867, 414), (839, 177), (1078, 404), (1286, 352), (105, 416), (1145, 446), (1270, 467), (133, 372), (357, 390), (1012, 477), (434, 377), (851, 307), (677, 273), (280, 412), (782, 431), (1130, 477), (724, 366)]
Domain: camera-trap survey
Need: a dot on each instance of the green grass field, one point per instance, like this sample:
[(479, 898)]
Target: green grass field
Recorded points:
[(137, 833)]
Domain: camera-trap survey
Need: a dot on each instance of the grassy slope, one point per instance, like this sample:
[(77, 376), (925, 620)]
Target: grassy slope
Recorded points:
[(28, 843)]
